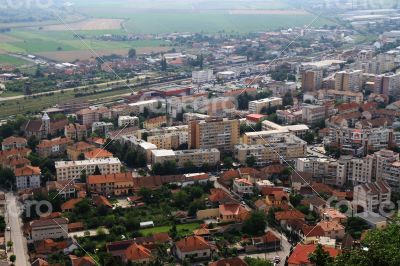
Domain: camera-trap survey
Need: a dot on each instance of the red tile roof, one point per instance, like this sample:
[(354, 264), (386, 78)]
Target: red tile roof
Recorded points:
[(70, 204), (301, 252), (97, 153), (192, 243), (12, 140), (289, 215), (83, 261), (112, 178), (137, 252), (27, 170)]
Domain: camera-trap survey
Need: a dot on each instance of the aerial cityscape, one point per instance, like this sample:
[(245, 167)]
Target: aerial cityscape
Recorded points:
[(200, 132)]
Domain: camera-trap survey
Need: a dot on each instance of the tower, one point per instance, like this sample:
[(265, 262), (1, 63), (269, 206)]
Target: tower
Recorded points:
[(45, 125)]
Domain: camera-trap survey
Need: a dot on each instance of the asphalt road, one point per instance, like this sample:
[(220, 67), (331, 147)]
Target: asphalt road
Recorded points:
[(13, 220)]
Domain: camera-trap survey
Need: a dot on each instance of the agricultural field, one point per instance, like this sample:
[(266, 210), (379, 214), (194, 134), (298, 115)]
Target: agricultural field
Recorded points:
[(63, 46), (11, 60)]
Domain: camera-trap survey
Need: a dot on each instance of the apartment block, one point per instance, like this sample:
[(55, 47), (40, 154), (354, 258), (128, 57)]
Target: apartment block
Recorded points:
[(218, 133), (269, 148), (117, 184), (202, 76), (90, 115), (102, 127), (313, 113), (140, 145), (75, 131), (155, 122), (255, 107), (297, 130), (344, 96), (49, 229), (198, 157), (68, 170), (324, 169), (387, 84), (125, 121), (139, 107), (349, 80), (312, 80), (372, 196)]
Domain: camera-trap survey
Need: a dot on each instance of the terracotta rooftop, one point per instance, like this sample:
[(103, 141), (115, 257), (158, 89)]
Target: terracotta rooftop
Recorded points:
[(53, 142), (48, 222), (229, 262), (97, 153), (289, 215), (12, 140), (70, 204), (27, 170), (112, 178), (192, 243), (301, 252), (137, 252)]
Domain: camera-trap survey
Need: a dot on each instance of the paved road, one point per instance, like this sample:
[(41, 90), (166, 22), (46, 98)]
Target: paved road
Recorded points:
[(13, 220)]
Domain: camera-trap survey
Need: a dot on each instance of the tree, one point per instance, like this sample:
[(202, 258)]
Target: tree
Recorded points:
[(9, 244), (309, 137), (163, 64), (295, 199), (320, 257), (255, 224), (132, 53), (355, 226), (97, 171), (257, 262), (228, 162), (251, 161), (83, 176), (13, 258), (81, 157), (173, 232)]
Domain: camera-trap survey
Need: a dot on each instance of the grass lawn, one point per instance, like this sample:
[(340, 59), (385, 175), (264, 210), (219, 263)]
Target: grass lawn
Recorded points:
[(10, 93), (183, 229), (11, 60)]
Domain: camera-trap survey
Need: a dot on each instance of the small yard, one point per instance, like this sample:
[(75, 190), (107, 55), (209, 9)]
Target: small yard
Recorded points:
[(183, 229)]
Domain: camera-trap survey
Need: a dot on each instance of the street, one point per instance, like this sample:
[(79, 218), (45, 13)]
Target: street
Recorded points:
[(13, 220)]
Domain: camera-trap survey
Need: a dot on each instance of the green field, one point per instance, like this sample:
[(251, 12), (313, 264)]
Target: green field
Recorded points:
[(183, 229), (11, 60)]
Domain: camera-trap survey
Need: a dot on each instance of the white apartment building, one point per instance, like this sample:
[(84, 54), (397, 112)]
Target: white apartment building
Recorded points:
[(27, 177), (125, 121), (297, 130), (243, 186), (325, 169), (391, 175), (197, 157), (140, 145), (138, 107), (68, 170), (387, 84), (202, 76), (255, 107), (313, 113), (372, 196), (102, 127), (49, 229)]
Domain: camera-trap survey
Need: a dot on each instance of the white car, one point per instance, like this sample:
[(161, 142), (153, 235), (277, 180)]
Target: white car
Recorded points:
[(8, 228)]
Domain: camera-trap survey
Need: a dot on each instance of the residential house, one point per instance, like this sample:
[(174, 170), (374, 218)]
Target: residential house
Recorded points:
[(284, 216), (13, 142), (331, 214), (53, 147), (78, 149), (27, 177), (233, 212), (194, 247), (332, 229), (137, 253), (301, 253), (75, 131), (65, 189), (243, 187), (267, 242), (69, 205), (82, 261), (97, 154)]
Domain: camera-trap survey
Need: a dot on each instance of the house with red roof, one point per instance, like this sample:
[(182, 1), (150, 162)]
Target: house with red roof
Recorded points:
[(243, 186), (27, 177), (82, 261), (229, 262), (284, 216), (137, 253), (233, 212), (195, 247), (300, 254), (13, 142)]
